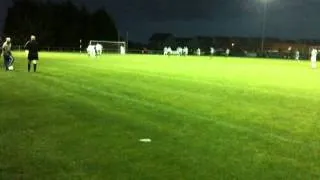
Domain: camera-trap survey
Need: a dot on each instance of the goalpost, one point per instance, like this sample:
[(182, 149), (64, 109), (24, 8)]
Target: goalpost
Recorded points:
[(110, 47)]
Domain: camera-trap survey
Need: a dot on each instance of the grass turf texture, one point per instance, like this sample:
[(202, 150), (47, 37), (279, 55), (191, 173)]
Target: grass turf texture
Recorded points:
[(220, 118)]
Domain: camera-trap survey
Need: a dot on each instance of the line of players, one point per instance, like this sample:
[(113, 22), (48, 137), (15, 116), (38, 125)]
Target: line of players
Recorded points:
[(313, 58), (96, 50), (184, 51)]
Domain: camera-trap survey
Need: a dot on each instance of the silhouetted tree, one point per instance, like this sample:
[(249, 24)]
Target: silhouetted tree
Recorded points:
[(55, 24)]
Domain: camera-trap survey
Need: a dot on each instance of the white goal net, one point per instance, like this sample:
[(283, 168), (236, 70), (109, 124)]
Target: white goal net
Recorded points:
[(109, 47)]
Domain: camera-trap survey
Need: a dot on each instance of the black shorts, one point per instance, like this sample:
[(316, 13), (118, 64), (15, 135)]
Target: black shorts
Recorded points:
[(33, 57), (6, 58), (6, 61)]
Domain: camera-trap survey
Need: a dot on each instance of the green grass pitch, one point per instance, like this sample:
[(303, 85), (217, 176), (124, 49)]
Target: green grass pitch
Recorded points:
[(219, 118)]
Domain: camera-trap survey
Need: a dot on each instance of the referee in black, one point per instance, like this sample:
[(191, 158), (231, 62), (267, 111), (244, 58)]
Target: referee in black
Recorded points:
[(32, 48)]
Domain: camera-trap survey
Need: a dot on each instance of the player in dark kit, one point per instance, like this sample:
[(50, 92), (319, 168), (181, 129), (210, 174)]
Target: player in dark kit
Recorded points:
[(32, 48)]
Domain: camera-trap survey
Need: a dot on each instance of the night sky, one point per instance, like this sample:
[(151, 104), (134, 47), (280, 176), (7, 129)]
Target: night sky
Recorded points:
[(285, 18)]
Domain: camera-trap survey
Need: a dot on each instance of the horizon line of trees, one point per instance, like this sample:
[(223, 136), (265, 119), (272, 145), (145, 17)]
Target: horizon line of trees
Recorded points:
[(57, 24)]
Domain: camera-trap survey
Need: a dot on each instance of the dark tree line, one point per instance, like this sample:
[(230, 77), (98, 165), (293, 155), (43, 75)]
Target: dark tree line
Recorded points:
[(62, 24)]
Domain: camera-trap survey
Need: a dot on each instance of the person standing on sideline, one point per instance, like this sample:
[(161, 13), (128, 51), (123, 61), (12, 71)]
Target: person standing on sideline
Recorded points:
[(6, 53), (32, 49)]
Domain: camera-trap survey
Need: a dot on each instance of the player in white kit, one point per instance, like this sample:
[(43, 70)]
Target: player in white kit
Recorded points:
[(91, 50), (179, 51), (314, 54), (227, 52), (297, 55), (98, 49), (165, 51), (185, 51), (169, 50), (212, 51), (198, 51), (122, 50)]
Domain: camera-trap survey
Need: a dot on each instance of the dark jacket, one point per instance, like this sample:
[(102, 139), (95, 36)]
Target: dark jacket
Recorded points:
[(32, 47)]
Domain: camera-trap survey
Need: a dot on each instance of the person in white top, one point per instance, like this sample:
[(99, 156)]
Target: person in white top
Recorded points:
[(98, 49), (122, 50), (165, 50), (227, 52), (212, 51), (185, 51), (169, 50), (198, 51), (91, 50), (297, 55), (314, 54), (179, 51)]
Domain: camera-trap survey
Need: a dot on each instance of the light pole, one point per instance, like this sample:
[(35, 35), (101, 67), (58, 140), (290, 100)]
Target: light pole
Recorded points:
[(264, 21), (127, 40)]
